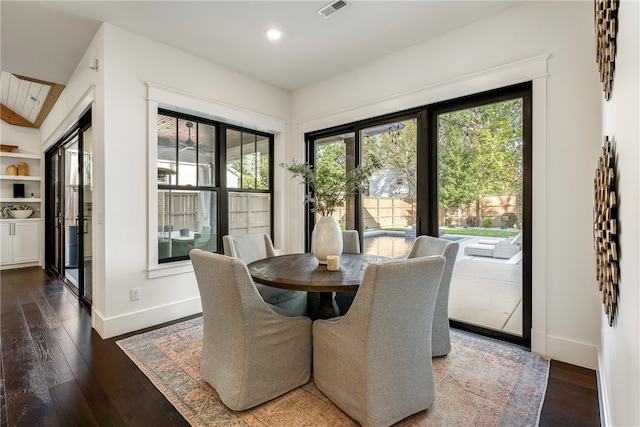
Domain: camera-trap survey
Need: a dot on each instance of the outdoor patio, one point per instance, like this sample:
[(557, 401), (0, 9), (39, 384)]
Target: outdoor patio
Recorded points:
[(485, 291)]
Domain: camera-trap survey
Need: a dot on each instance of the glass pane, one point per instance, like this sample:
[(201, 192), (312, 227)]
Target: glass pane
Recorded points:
[(167, 149), (263, 154), (186, 220), (247, 160), (390, 205), (87, 210), (249, 163), (234, 156), (333, 155), (249, 213), (71, 212), (187, 170), (206, 237), (206, 155), (480, 166)]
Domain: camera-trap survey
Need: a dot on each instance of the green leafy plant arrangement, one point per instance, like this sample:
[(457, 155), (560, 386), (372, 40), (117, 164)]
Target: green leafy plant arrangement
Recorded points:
[(329, 189)]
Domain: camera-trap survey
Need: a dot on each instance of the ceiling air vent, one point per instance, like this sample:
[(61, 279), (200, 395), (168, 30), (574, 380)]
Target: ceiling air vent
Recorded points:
[(328, 10)]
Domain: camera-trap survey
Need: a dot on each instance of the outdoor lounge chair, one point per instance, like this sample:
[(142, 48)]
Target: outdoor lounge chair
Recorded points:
[(503, 249), (508, 248), (479, 249)]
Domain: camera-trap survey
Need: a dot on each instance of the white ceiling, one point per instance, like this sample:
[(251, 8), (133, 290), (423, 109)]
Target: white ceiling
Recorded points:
[(46, 39)]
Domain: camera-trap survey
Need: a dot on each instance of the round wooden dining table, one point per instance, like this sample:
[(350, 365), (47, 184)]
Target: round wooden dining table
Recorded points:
[(303, 272)]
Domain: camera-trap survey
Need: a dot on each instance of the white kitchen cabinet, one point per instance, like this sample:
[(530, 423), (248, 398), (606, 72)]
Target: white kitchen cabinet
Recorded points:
[(20, 242)]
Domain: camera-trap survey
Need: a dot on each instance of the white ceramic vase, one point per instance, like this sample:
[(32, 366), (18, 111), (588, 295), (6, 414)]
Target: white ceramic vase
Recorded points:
[(326, 238)]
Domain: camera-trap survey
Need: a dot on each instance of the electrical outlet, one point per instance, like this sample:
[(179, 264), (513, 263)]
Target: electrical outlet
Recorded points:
[(135, 294)]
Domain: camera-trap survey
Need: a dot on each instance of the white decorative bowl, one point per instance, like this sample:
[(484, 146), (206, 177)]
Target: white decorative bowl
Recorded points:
[(20, 214)]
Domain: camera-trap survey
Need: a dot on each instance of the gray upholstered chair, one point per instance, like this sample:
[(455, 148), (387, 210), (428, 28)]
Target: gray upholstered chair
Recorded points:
[(428, 246), (374, 362), (350, 242), (252, 352), (252, 247), (350, 245)]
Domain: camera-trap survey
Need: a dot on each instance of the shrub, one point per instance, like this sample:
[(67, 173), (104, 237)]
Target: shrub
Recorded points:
[(487, 222)]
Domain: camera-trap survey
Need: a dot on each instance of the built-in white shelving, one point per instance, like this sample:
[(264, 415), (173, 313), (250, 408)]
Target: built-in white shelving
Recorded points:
[(20, 237), (31, 182)]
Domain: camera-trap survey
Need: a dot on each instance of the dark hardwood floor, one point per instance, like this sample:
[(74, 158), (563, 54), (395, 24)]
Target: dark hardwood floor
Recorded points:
[(57, 371)]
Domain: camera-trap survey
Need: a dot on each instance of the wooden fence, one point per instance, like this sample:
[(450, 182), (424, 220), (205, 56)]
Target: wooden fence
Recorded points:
[(382, 212)]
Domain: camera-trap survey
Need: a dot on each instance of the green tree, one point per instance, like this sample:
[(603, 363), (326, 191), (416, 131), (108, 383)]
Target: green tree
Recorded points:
[(480, 153), (332, 180), (253, 177), (396, 151)]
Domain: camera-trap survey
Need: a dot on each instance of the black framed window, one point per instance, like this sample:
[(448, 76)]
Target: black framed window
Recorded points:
[(195, 204), (249, 176)]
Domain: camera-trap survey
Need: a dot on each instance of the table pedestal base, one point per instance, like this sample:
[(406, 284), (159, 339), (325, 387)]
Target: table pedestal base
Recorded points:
[(328, 307)]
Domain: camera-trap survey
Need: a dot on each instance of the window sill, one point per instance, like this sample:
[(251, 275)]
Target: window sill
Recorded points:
[(170, 269)]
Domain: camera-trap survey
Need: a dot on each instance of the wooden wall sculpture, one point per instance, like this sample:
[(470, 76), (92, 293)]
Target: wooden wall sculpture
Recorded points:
[(605, 229), (606, 27)]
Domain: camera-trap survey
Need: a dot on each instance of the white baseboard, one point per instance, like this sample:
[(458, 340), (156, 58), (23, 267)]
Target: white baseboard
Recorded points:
[(538, 342), (605, 416), (21, 265), (573, 352), (129, 322)]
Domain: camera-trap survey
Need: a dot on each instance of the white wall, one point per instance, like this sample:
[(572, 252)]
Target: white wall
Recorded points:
[(566, 142), (27, 139), (85, 90), (620, 354), (128, 63)]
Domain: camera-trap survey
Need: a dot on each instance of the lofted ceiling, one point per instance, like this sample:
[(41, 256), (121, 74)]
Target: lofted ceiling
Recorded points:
[(26, 101), (45, 40)]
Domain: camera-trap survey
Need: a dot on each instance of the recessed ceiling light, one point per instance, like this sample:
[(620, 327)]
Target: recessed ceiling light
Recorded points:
[(274, 34)]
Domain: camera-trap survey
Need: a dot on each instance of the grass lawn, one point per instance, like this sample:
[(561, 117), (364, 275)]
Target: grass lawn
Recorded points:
[(484, 232)]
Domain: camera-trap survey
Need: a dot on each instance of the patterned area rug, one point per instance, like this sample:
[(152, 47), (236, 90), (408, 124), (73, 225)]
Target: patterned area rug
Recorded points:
[(480, 383)]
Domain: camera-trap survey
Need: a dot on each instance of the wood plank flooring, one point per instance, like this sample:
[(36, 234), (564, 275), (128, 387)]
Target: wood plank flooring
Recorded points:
[(57, 371)]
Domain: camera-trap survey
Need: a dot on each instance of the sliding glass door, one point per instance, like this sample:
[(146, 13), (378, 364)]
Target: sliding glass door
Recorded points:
[(459, 170), (69, 209), (483, 168)]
